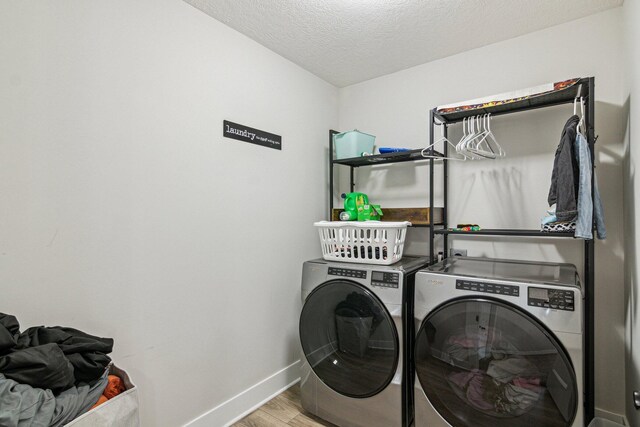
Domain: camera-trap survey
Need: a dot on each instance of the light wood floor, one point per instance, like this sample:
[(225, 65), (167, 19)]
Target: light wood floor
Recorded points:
[(284, 410)]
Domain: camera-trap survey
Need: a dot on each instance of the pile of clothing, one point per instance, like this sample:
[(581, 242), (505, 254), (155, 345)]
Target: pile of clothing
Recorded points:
[(495, 397), (494, 381), (49, 375), (356, 319), (570, 195)]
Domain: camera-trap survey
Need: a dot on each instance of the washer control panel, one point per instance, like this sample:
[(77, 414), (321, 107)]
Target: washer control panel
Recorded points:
[(347, 272), (556, 299), (385, 279), (488, 288)]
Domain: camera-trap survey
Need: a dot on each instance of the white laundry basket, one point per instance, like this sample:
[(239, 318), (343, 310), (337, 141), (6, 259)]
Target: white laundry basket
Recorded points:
[(369, 242)]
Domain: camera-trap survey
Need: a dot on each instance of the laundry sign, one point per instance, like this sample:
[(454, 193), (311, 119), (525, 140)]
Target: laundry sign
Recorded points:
[(254, 136)]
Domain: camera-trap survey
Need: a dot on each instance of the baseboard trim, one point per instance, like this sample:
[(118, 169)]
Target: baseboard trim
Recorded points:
[(616, 418), (234, 409)]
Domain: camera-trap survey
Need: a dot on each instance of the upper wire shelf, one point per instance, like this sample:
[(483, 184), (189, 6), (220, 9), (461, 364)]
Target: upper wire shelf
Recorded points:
[(578, 87)]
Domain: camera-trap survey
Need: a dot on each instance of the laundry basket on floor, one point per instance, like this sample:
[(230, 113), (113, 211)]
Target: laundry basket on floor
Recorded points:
[(369, 242), (120, 411)]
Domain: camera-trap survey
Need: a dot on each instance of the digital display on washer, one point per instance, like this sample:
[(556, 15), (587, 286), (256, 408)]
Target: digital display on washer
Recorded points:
[(557, 299), (385, 279), (539, 293)]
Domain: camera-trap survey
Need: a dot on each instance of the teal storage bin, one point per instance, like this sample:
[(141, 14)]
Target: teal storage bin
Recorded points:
[(352, 144)]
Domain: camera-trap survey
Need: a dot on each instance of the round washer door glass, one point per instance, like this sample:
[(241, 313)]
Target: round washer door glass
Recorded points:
[(349, 338), (487, 363)]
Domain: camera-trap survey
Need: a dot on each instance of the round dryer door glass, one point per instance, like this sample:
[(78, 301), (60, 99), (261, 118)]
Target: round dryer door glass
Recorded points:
[(488, 363), (349, 338)]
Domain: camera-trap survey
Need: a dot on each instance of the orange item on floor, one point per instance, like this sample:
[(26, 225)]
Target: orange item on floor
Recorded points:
[(114, 388), (100, 401)]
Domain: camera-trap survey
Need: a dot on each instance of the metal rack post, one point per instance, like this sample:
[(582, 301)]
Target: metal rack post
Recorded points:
[(331, 133), (431, 222), (445, 172), (589, 268), (352, 182)]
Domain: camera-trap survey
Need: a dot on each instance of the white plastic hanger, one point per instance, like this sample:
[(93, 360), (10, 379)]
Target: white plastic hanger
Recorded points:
[(427, 152), (475, 145), (464, 136), (490, 140), (478, 141), (469, 134), (580, 127)]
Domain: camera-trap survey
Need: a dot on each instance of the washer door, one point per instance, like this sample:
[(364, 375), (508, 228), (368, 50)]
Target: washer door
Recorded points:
[(484, 362), (349, 338)]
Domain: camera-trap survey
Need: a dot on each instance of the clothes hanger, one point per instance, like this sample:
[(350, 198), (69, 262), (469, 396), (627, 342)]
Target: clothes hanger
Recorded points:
[(466, 133), (464, 136), (465, 144), (580, 127), (444, 139), (475, 146), (500, 150)]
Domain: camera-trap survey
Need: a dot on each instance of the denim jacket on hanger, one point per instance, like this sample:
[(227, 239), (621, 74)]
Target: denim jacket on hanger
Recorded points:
[(564, 178), (584, 223)]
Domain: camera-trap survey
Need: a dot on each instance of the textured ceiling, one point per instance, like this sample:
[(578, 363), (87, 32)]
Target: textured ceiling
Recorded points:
[(349, 41)]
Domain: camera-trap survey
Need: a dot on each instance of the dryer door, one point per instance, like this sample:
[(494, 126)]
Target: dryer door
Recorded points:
[(349, 338), (484, 362)]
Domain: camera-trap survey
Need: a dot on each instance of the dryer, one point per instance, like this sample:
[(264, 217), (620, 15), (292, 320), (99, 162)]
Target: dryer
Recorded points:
[(498, 344), (353, 330)]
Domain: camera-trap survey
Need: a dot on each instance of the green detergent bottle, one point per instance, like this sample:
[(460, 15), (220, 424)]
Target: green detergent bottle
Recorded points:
[(357, 208), (352, 201)]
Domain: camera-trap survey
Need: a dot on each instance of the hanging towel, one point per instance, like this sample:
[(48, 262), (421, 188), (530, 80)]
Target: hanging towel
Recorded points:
[(586, 204)]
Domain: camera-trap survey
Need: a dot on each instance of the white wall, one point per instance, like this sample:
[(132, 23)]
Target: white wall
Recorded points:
[(123, 211), (511, 192), (631, 11)]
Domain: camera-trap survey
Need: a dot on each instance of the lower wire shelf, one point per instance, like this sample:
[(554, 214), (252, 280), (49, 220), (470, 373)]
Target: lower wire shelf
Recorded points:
[(509, 232)]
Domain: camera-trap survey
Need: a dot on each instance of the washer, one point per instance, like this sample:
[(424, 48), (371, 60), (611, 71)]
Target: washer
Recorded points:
[(499, 344), (352, 331)]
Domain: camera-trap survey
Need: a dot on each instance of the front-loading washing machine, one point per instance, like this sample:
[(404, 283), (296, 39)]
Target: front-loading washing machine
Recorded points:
[(353, 329), (498, 344)]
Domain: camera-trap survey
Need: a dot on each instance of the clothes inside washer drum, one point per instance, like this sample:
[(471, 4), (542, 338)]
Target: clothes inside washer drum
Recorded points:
[(493, 397), (356, 319), (494, 380)]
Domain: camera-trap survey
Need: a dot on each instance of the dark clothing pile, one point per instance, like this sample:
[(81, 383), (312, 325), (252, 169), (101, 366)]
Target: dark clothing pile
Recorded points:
[(49, 375), (356, 319)]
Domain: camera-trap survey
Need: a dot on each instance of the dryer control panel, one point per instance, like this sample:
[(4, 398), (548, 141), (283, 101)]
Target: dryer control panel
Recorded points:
[(347, 272), (488, 288), (556, 299)]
